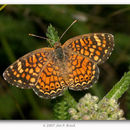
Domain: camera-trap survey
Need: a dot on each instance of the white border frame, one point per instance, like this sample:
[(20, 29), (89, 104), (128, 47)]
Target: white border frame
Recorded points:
[(42, 125), (64, 1), (53, 125)]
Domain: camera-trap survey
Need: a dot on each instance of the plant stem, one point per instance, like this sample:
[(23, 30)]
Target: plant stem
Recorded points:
[(120, 88), (69, 99), (2, 7)]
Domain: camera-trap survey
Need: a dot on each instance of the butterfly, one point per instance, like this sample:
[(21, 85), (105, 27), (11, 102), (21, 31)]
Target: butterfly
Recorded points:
[(74, 65)]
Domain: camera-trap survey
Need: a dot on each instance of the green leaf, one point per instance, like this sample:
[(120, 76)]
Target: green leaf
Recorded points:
[(62, 106), (52, 35), (8, 50)]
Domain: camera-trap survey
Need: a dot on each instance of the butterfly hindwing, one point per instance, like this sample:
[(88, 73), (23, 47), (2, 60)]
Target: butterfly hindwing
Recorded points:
[(82, 72), (51, 82)]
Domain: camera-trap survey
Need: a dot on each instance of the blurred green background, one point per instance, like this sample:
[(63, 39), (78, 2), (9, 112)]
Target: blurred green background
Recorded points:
[(17, 21)]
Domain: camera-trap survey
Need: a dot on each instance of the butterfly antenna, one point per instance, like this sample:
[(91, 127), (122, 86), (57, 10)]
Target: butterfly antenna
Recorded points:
[(68, 28), (33, 35)]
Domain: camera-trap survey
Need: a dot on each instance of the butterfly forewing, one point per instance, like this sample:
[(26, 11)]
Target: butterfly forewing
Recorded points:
[(95, 46), (25, 72)]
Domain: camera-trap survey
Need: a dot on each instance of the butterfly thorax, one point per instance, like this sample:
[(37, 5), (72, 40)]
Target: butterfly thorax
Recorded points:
[(58, 51)]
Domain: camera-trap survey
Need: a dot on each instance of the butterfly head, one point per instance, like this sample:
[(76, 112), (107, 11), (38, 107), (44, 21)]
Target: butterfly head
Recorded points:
[(57, 44)]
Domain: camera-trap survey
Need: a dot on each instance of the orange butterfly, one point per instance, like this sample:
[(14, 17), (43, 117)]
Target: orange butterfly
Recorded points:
[(73, 65)]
